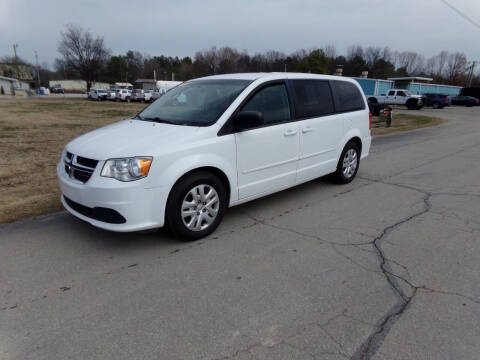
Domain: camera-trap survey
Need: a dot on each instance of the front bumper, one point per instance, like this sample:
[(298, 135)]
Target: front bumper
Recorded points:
[(140, 207)]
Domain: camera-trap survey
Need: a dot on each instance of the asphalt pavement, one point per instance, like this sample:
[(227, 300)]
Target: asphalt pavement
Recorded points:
[(387, 267)]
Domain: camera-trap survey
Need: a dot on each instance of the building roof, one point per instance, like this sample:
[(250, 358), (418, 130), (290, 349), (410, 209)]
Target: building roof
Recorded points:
[(7, 78), (145, 81), (410, 78)]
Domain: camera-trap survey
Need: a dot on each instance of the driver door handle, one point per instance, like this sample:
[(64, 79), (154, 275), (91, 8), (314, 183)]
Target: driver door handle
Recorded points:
[(307, 129), (290, 132)]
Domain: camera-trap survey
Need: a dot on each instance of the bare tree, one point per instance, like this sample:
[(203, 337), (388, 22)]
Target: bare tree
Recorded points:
[(354, 51), (372, 55), (83, 53), (456, 67), (330, 51)]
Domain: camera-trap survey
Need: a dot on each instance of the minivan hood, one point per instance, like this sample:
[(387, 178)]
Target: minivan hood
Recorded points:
[(129, 138)]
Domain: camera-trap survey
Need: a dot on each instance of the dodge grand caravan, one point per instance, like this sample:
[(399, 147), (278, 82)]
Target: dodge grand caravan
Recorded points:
[(212, 143)]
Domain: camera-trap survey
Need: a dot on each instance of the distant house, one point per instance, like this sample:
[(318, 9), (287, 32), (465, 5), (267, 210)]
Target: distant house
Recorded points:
[(122, 85), (23, 74), (7, 85)]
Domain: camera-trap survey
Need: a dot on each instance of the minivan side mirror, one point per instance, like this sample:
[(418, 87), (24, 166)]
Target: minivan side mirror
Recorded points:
[(247, 120)]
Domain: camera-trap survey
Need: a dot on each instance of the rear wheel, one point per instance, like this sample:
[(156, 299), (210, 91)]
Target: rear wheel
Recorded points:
[(196, 205), (348, 164), (411, 104), (436, 105)]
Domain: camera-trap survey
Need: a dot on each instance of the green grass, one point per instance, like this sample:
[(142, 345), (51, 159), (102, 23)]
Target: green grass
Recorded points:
[(10, 128)]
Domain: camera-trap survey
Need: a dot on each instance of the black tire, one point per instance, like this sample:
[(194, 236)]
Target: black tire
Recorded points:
[(411, 104), (173, 217), (436, 105), (338, 176)]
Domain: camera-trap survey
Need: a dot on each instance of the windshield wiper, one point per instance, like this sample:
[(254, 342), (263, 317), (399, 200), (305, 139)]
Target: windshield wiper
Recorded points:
[(159, 120), (138, 117)]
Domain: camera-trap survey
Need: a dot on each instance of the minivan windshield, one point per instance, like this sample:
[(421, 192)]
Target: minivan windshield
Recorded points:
[(195, 103)]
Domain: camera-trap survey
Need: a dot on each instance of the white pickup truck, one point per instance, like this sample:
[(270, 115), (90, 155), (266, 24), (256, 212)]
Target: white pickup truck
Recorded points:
[(399, 97)]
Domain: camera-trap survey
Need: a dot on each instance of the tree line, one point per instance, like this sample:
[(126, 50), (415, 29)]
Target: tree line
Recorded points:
[(84, 56)]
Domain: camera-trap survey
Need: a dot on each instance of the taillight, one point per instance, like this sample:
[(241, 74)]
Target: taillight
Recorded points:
[(446, 99), (369, 120)]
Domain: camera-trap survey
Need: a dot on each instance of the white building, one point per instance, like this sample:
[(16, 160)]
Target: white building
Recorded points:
[(77, 85)]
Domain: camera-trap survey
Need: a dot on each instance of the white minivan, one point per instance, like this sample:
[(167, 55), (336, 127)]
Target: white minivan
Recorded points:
[(212, 143)]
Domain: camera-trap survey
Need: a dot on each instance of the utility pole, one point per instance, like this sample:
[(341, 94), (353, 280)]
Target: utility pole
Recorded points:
[(38, 70), (470, 77), (15, 46), (285, 67)]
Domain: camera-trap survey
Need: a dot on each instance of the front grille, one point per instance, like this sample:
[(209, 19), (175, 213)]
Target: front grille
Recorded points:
[(97, 213), (78, 167)]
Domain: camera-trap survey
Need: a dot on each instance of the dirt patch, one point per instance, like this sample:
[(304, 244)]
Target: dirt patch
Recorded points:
[(403, 122), (33, 133)]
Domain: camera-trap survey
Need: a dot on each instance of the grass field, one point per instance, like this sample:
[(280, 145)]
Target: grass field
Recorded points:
[(403, 122), (32, 136), (33, 133)]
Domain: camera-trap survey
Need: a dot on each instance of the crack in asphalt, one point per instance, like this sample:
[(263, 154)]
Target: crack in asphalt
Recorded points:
[(271, 344), (373, 342)]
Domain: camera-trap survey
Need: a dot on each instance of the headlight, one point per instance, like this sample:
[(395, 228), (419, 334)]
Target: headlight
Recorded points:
[(127, 169)]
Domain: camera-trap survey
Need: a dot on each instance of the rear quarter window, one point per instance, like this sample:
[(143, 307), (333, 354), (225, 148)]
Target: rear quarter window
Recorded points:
[(347, 96), (312, 98)]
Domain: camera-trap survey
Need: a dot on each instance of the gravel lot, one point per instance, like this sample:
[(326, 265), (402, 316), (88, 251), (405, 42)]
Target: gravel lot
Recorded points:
[(386, 267)]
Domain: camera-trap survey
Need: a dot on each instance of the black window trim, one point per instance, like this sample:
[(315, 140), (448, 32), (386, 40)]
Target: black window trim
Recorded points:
[(316, 116), (365, 106), (227, 128)]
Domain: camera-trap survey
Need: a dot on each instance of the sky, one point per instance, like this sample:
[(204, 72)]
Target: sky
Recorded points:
[(182, 27)]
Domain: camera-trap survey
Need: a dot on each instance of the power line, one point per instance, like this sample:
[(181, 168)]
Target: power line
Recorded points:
[(471, 21)]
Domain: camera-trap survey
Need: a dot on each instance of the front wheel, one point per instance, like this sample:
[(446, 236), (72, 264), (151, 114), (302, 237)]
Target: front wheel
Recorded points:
[(348, 163), (196, 205)]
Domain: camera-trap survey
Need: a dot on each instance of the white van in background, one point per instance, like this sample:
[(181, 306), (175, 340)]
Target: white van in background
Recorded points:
[(211, 143), (162, 88)]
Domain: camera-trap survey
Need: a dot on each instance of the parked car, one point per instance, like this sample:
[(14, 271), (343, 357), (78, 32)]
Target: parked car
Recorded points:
[(124, 95), (471, 91), (137, 95), (437, 101), (465, 100), (399, 97), (155, 95), (112, 94), (147, 96), (57, 89), (98, 94), (212, 143)]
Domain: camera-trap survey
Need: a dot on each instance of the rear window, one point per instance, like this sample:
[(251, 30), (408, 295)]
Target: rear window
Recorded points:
[(313, 98), (347, 96)]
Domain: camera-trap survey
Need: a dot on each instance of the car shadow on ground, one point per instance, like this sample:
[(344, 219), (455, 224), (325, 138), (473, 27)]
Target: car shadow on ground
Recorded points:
[(235, 218)]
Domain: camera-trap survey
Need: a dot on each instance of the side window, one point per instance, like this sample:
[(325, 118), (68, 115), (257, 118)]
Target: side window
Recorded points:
[(401, 93), (272, 102), (347, 96), (391, 93), (313, 98)]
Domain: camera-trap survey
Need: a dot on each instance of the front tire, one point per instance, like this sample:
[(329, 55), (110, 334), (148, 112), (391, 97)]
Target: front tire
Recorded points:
[(348, 164), (196, 206)]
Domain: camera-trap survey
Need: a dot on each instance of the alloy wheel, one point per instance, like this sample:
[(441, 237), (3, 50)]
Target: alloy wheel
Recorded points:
[(200, 207), (350, 163)]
